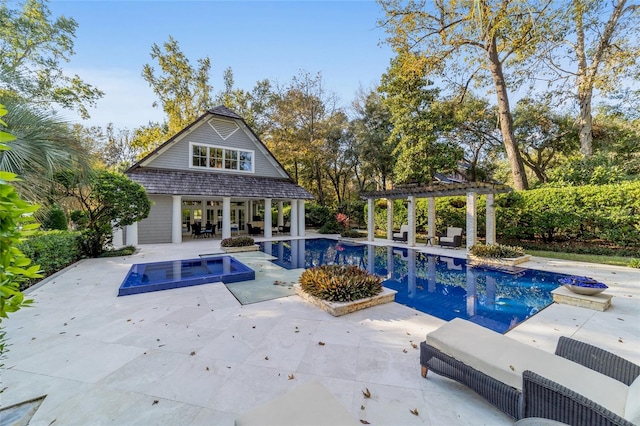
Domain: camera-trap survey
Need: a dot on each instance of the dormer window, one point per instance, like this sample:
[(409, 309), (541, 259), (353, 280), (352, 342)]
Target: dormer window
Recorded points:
[(221, 158)]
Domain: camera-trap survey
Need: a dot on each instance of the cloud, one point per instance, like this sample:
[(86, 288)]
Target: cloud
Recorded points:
[(127, 102)]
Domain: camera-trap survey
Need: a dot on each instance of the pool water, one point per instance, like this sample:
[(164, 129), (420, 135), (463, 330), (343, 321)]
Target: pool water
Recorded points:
[(147, 277), (441, 286)]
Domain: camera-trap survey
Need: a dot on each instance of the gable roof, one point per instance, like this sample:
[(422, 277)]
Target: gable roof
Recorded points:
[(206, 184)]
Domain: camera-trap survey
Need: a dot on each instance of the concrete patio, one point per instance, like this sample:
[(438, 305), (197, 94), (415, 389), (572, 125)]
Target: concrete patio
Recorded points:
[(196, 356)]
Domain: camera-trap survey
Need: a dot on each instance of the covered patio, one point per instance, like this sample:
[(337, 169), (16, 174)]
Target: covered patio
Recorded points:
[(411, 193)]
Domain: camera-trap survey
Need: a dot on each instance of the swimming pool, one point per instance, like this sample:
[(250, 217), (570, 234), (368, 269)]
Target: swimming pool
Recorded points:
[(441, 286), (156, 276)]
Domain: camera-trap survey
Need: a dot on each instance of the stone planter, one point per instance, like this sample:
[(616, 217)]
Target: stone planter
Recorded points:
[(501, 263), (341, 308), (240, 249)]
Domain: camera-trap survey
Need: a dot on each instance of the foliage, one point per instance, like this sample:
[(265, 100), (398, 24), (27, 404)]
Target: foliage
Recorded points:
[(52, 250), (33, 48), (43, 146), (109, 200), (496, 251), (55, 219), (340, 283), (16, 223), (237, 242)]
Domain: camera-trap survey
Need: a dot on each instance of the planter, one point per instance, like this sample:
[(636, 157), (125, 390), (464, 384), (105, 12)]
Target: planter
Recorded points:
[(240, 249), (507, 262), (341, 308)]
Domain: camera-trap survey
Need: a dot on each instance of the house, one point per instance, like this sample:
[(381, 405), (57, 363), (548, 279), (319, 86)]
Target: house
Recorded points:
[(215, 170)]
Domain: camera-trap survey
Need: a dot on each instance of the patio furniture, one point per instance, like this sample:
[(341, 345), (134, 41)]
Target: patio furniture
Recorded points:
[(403, 235), (309, 404), (573, 385), (453, 238)]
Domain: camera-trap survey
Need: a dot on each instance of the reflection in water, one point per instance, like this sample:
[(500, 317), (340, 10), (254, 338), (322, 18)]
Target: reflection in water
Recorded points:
[(438, 285)]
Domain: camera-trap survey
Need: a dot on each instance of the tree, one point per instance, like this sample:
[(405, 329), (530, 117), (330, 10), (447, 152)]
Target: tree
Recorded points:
[(32, 48), (44, 144), (601, 41), (16, 224), (374, 146), (184, 93), (408, 95), (545, 137), (109, 200), (471, 40)]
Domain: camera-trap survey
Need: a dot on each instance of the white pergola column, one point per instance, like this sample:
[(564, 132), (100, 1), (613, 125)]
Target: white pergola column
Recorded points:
[(491, 220), (389, 219), (226, 217), (294, 218), (280, 214), (132, 234), (301, 219), (267, 218), (411, 218), (176, 219), (370, 221), (472, 219), (431, 218)]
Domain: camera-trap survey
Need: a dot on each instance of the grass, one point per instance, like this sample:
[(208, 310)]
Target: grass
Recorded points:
[(593, 258)]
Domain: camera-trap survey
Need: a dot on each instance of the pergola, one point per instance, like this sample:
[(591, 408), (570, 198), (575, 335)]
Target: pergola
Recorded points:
[(431, 192)]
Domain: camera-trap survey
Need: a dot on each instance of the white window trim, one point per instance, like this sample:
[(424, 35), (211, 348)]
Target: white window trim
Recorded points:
[(224, 148)]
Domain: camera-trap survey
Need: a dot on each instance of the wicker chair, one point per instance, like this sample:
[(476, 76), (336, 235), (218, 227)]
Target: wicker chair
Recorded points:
[(545, 398)]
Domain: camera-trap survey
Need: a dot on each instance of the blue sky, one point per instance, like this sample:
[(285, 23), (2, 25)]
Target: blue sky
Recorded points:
[(257, 39)]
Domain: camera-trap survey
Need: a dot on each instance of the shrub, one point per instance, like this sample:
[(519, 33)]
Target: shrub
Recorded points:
[(340, 283), (237, 242), (52, 250), (496, 250), (634, 263)]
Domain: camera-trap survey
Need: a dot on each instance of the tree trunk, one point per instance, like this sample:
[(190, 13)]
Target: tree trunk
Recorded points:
[(506, 119)]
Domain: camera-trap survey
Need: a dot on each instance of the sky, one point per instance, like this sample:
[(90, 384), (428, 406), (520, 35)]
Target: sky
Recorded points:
[(256, 39)]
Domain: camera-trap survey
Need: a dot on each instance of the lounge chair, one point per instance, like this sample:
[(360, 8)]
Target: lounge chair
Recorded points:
[(403, 235), (579, 384), (453, 238)]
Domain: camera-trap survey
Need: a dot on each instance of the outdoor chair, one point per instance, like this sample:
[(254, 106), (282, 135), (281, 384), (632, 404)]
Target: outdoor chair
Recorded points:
[(579, 384), (453, 238), (403, 235)]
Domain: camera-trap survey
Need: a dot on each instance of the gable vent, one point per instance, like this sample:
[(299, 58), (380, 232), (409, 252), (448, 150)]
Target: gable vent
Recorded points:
[(223, 128)]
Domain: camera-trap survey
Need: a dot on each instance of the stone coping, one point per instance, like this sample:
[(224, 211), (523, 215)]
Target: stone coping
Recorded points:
[(342, 308)]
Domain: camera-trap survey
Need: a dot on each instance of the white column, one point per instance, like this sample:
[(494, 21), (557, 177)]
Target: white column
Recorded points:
[(267, 218), (280, 214), (176, 220), (116, 237), (389, 219), (491, 220), (294, 218), (411, 216), (431, 218), (301, 218), (132, 234), (371, 226), (226, 217), (472, 219)]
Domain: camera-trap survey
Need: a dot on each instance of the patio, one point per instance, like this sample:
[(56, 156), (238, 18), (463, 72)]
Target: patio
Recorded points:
[(196, 356)]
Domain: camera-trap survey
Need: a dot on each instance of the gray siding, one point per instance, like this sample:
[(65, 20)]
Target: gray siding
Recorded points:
[(156, 228), (178, 156)]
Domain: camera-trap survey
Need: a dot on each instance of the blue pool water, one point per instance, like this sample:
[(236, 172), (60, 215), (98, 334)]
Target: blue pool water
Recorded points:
[(146, 277), (437, 285)]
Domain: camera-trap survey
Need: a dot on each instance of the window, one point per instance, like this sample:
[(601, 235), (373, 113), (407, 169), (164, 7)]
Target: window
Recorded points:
[(215, 157)]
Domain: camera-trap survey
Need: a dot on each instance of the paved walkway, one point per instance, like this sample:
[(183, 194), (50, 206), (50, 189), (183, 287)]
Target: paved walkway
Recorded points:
[(195, 356)]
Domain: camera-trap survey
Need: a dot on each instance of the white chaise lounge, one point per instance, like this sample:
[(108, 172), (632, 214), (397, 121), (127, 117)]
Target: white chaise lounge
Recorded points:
[(579, 384)]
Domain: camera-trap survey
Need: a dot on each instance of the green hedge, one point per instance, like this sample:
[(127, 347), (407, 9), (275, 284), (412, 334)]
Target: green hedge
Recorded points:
[(52, 250), (606, 213)]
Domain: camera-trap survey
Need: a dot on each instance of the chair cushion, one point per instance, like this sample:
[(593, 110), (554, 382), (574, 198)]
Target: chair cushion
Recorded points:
[(632, 407), (309, 404), (505, 359)]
